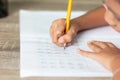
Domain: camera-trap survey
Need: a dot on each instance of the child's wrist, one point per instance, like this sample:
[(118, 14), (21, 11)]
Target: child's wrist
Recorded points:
[(77, 26), (74, 25), (115, 63), (116, 74)]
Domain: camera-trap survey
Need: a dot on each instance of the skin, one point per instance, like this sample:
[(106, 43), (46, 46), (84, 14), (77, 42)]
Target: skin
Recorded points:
[(105, 53)]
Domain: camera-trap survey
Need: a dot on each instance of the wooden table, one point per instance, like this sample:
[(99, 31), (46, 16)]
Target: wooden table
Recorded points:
[(10, 45)]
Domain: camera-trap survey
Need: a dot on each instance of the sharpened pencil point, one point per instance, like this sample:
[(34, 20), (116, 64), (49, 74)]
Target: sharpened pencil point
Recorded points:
[(64, 46)]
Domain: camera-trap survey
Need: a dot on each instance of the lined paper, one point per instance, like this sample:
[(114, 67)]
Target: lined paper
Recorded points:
[(40, 57)]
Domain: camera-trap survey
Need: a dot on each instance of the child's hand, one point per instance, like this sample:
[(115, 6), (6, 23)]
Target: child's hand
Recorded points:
[(104, 52), (58, 34)]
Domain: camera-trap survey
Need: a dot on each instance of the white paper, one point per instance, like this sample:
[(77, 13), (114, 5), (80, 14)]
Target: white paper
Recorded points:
[(40, 57)]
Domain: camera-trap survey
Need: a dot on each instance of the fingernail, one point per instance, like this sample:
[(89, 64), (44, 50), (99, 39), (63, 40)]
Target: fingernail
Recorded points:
[(61, 40)]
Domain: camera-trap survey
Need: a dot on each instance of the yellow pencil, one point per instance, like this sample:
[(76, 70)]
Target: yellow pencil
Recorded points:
[(68, 17)]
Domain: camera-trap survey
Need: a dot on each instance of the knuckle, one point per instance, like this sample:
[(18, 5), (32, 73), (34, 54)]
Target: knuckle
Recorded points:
[(69, 38)]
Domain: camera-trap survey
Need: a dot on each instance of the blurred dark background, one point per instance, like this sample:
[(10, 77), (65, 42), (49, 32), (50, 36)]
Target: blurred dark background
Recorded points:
[(9, 9), (3, 8)]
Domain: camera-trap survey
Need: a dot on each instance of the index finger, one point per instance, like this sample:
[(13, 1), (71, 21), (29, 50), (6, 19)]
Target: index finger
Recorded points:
[(57, 29)]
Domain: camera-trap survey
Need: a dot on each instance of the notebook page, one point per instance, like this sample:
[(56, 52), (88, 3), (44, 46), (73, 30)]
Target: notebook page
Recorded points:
[(40, 57)]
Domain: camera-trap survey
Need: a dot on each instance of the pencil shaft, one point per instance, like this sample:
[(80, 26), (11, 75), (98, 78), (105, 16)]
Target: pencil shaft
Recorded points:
[(68, 15)]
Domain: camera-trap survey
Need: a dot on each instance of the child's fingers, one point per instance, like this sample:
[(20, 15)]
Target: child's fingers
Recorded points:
[(67, 38), (56, 36), (57, 29), (111, 44), (51, 33), (54, 39), (104, 44), (94, 47), (86, 53), (62, 44), (59, 44), (100, 44)]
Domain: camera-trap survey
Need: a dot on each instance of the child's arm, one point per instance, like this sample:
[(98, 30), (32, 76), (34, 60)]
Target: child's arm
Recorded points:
[(92, 19)]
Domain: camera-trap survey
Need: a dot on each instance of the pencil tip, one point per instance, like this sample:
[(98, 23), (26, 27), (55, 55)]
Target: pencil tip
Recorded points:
[(64, 46)]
